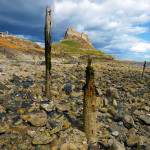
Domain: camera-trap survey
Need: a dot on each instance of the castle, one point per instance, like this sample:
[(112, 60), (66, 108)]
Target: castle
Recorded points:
[(71, 32)]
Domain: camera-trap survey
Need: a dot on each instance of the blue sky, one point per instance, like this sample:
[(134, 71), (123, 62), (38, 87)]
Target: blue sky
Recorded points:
[(116, 27)]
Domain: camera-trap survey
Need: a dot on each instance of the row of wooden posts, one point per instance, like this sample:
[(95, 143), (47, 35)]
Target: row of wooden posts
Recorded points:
[(89, 102)]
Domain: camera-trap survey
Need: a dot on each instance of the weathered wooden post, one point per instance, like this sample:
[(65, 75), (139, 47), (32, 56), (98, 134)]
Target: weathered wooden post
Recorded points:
[(48, 43), (89, 105), (144, 67)]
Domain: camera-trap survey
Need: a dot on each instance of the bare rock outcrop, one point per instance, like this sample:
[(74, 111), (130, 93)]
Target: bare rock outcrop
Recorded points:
[(71, 34)]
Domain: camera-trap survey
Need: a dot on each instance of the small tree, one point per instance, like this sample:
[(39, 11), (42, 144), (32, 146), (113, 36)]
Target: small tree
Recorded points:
[(48, 43)]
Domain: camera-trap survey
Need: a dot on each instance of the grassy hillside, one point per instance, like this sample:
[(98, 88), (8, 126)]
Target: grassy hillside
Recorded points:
[(74, 48), (18, 43)]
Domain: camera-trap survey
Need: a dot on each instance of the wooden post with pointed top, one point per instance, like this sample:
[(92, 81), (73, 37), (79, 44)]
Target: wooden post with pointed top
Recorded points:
[(89, 104), (48, 43), (144, 67)]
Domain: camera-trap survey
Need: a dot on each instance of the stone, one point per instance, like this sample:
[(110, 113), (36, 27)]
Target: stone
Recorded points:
[(25, 117), (128, 122), (41, 139), (74, 136), (2, 109), (1, 92), (68, 89), (120, 129), (133, 140), (94, 147), (112, 93), (138, 113), (114, 102), (145, 119), (120, 123), (1, 70), (105, 102), (31, 133), (62, 107), (147, 108), (116, 146), (68, 146), (55, 148), (2, 130), (92, 140), (132, 131), (103, 110), (112, 110), (3, 87), (67, 125), (115, 133), (47, 107), (38, 119), (56, 129), (99, 101), (99, 91)]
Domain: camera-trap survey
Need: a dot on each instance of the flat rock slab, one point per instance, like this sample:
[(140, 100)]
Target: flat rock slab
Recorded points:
[(138, 113), (39, 119), (47, 107), (117, 146), (3, 87), (115, 127), (133, 140), (41, 139), (145, 119)]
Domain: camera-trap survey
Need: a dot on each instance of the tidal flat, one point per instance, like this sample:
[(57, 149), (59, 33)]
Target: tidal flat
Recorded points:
[(28, 120)]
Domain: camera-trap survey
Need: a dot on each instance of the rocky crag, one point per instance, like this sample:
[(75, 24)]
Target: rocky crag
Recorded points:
[(81, 38)]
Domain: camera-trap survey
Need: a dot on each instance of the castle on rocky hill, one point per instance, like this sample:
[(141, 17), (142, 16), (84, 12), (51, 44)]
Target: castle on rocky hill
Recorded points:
[(71, 32)]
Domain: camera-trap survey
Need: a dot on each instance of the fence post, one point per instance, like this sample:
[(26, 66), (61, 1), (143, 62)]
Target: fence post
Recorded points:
[(144, 67), (48, 30), (89, 105)]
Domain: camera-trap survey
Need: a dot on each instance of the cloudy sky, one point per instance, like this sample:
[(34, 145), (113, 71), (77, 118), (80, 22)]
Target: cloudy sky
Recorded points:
[(117, 27)]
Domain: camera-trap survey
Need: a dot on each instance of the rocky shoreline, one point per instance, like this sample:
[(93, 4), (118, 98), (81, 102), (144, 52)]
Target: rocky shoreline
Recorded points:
[(30, 121)]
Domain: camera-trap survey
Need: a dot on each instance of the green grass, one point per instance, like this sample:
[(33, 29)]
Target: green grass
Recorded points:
[(74, 48), (71, 44)]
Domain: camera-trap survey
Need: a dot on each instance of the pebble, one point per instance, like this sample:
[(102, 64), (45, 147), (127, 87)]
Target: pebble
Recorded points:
[(115, 133), (120, 123)]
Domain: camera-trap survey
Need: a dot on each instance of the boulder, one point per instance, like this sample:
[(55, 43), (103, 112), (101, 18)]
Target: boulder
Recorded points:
[(120, 129), (133, 140), (128, 122), (62, 107), (68, 146), (2, 109), (38, 119), (41, 139), (145, 119), (117, 146), (112, 93), (47, 107)]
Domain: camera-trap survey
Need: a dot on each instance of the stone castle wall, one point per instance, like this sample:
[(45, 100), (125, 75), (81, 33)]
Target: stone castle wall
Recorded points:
[(72, 32)]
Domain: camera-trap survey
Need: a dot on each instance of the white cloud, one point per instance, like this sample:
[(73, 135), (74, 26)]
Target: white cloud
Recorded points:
[(141, 47), (112, 25), (147, 56)]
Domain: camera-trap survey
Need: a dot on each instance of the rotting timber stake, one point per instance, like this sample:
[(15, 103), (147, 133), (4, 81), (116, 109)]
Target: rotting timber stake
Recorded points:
[(48, 43), (89, 105), (144, 67)]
